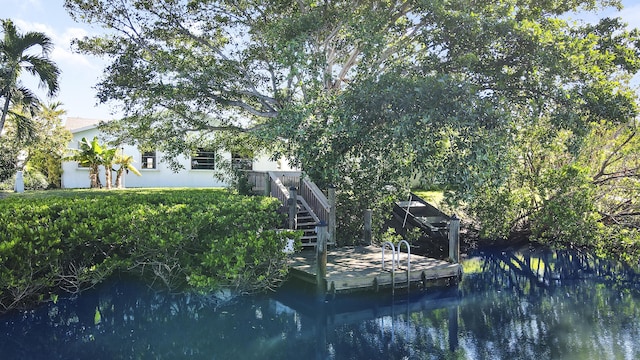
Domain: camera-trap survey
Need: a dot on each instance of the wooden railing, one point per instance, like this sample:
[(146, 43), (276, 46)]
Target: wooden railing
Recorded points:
[(279, 191), (277, 184), (257, 180), (316, 199), (273, 183)]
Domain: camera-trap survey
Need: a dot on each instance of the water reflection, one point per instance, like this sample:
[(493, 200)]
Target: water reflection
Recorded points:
[(510, 305), (549, 304)]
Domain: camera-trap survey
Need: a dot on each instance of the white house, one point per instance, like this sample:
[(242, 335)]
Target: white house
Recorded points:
[(198, 170)]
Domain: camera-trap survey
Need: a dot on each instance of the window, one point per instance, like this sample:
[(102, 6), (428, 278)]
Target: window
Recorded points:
[(242, 162), (149, 160), (203, 160)]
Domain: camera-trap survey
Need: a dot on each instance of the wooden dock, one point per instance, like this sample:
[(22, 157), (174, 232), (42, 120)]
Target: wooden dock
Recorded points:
[(360, 268)]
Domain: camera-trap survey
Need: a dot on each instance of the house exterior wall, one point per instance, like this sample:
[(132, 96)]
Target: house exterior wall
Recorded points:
[(162, 176)]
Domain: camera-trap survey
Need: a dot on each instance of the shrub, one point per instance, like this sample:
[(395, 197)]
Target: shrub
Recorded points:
[(33, 180), (178, 239)]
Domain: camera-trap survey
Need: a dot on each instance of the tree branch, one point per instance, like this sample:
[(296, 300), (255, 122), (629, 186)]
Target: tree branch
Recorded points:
[(609, 160), (626, 173)]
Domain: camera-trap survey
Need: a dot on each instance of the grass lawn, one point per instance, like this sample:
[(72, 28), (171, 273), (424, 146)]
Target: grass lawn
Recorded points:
[(433, 197)]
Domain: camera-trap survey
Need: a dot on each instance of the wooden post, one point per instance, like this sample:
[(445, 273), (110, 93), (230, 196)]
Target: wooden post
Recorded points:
[(321, 332), (332, 214), (454, 239), (368, 233), (293, 207), (267, 184), (453, 328), (321, 260)]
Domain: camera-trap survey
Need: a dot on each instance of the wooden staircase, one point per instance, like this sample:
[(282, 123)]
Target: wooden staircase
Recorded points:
[(312, 206), (306, 221)]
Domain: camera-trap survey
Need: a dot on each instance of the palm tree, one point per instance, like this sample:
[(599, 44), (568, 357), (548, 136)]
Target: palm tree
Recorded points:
[(126, 164), (52, 112), (90, 154), (15, 57), (108, 160)]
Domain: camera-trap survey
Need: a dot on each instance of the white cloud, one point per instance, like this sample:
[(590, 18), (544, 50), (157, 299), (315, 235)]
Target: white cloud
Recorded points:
[(62, 53), (24, 5)]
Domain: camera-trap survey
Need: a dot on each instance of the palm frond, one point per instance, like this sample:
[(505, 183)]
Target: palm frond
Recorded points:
[(45, 70), (16, 55), (24, 126), (10, 30), (26, 99), (34, 38)]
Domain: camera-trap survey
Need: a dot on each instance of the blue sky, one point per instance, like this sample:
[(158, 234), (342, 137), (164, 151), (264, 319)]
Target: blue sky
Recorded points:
[(80, 73)]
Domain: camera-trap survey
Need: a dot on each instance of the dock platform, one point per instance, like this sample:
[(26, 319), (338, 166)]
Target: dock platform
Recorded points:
[(352, 269)]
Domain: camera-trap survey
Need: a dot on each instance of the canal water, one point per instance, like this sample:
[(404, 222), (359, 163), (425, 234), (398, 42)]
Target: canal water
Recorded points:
[(526, 304)]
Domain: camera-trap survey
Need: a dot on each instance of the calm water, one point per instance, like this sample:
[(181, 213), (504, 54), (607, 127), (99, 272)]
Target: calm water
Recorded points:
[(524, 305)]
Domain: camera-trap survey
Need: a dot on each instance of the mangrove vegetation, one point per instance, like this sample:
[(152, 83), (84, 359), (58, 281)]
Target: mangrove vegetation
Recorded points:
[(199, 240)]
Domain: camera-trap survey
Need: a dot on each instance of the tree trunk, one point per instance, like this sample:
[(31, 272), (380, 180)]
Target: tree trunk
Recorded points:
[(5, 110), (108, 176), (119, 178), (93, 176)]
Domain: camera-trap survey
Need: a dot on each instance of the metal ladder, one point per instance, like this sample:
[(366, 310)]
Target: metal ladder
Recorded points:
[(395, 259)]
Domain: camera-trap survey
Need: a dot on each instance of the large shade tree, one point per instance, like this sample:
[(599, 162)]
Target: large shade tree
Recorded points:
[(19, 53), (367, 94)]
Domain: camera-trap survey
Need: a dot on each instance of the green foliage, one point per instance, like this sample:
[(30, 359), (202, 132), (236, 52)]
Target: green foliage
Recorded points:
[(582, 195), (46, 149), (491, 101), (125, 163), (391, 236), (34, 142), (8, 158), (177, 239), (33, 180), (38, 153), (91, 155), (567, 213)]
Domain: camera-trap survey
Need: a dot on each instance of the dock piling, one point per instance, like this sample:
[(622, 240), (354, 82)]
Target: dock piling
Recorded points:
[(321, 260), (368, 233), (331, 191), (454, 239)]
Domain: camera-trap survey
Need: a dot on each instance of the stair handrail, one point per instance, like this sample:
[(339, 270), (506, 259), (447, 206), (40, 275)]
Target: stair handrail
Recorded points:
[(315, 198), (278, 190)]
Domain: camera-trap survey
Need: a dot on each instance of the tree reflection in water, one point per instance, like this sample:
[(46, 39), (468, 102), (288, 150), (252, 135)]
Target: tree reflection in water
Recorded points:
[(510, 305)]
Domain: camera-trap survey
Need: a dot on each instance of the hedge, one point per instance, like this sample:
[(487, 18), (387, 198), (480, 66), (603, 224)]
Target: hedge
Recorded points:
[(195, 239)]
